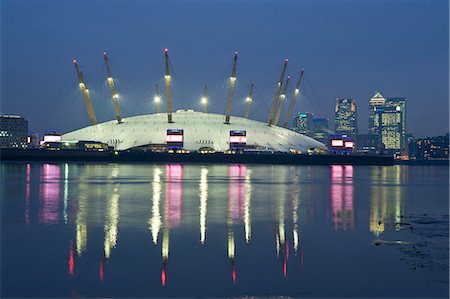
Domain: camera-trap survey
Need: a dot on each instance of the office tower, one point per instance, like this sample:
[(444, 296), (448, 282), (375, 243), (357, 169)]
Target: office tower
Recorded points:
[(345, 119), (320, 129), (394, 122), (303, 123), (13, 131), (399, 104), (376, 101)]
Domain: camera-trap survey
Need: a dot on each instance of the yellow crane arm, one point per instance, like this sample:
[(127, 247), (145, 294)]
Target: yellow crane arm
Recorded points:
[(231, 89), (282, 97), (112, 87), (248, 102), (168, 95), (86, 96), (293, 98), (277, 94)]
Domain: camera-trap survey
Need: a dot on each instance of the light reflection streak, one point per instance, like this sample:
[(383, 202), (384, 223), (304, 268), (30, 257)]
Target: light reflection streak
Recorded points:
[(386, 200), (295, 193), (342, 197), (111, 223), (203, 186), (81, 218), (172, 211), (50, 193), (248, 197), (66, 191), (155, 220), (112, 216)]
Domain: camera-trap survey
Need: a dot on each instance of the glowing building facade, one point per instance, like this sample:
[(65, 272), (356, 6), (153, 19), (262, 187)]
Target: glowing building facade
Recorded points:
[(345, 119)]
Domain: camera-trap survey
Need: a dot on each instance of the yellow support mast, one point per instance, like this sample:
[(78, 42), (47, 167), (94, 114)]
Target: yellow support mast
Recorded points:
[(168, 95), (231, 90), (157, 100), (112, 87), (85, 92), (277, 94), (282, 97), (248, 102), (204, 99), (293, 98)]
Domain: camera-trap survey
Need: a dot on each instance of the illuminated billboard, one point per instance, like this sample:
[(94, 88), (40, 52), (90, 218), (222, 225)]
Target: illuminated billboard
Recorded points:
[(52, 138), (175, 138), (337, 142), (238, 139), (349, 144)]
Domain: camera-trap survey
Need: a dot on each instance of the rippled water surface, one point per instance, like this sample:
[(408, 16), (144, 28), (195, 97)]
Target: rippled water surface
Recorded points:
[(140, 230)]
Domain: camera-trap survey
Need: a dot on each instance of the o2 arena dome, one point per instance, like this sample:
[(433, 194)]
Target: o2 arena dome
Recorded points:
[(200, 130), (194, 131)]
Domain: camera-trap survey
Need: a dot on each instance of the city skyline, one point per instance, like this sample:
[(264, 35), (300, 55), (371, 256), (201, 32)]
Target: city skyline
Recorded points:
[(397, 57)]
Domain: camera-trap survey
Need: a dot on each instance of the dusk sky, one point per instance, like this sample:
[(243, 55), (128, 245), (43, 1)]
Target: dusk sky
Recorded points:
[(349, 49)]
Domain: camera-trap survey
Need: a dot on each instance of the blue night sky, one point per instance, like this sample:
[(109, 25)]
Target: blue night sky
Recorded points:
[(348, 48)]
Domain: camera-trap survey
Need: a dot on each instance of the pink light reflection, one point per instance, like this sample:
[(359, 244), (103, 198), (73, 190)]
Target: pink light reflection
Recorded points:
[(342, 196), (236, 191), (50, 194), (174, 192)]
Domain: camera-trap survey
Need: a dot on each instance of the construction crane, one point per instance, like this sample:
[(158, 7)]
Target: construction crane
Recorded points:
[(157, 100), (277, 94), (282, 97), (112, 87), (168, 95), (293, 98), (204, 99), (248, 102), (85, 92), (231, 90)]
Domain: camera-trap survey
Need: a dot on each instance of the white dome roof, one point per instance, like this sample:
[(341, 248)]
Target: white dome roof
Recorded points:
[(200, 130)]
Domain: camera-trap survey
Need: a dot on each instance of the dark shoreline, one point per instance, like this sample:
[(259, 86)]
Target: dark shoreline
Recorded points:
[(222, 158)]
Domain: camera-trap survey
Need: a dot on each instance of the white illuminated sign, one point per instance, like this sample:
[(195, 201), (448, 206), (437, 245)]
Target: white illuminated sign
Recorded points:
[(52, 138), (238, 139), (337, 142), (174, 138)]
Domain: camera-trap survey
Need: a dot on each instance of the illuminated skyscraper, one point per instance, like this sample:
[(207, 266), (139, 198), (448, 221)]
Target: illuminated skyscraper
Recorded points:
[(376, 101), (390, 123), (345, 119)]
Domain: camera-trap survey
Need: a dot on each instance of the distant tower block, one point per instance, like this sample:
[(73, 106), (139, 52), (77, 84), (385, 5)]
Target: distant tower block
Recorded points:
[(85, 92), (168, 95), (282, 97), (277, 94), (293, 99), (248, 102), (112, 87), (231, 90), (157, 100), (205, 99)]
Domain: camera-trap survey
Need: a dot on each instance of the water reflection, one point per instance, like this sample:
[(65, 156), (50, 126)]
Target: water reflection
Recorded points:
[(281, 203), (342, 197), (172, 210), (386, 199), (112, 215), (50, 194), (203, 188), (155, 219)]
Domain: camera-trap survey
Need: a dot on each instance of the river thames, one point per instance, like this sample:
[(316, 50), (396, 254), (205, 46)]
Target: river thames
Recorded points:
[(172, 230)]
